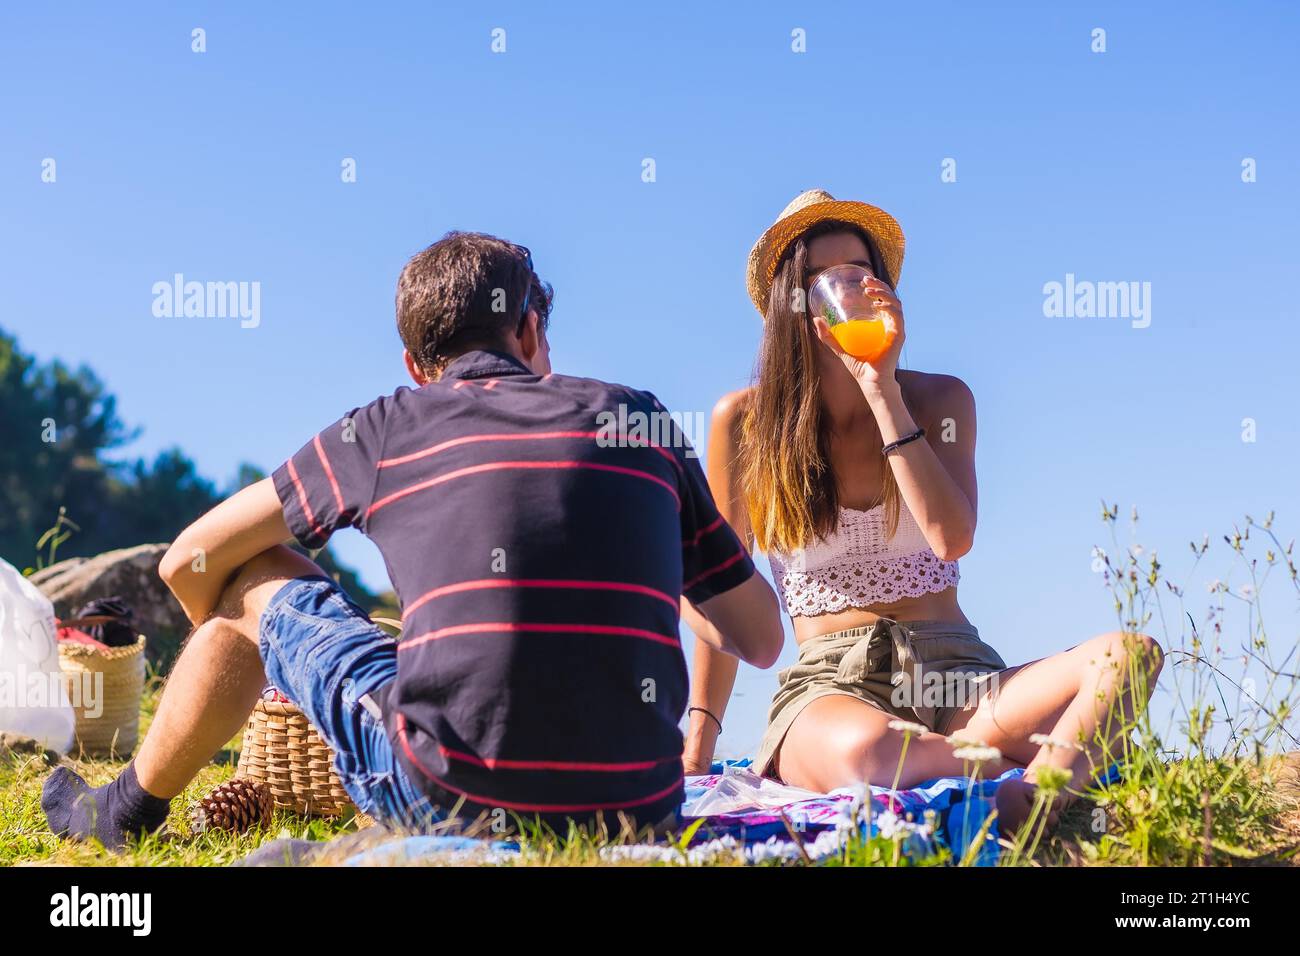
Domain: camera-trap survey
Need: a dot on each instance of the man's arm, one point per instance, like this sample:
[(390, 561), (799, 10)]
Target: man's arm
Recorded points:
[(205, 555)]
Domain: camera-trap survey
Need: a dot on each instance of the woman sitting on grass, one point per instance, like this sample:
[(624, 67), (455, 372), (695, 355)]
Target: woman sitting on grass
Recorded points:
[(858, 479)]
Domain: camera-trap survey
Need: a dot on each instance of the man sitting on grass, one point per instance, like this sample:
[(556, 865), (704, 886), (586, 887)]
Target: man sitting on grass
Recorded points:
[(540, 568)]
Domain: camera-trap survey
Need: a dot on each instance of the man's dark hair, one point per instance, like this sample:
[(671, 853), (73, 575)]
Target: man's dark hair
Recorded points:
[(465, 291)]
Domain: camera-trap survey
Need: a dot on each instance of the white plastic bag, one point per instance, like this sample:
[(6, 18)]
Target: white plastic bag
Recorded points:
[(741, 789), (33, 698)]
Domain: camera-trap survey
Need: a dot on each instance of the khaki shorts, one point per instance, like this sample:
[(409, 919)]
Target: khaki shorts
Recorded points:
[(920, 671)]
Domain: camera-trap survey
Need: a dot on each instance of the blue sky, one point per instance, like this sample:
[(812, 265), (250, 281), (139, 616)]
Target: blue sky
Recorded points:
[(1117, 166)]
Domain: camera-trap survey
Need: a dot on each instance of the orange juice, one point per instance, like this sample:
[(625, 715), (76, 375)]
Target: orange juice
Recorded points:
[(864, 339)]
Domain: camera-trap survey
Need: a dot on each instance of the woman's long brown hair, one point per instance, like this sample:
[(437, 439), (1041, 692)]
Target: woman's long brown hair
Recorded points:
[(790, 490)]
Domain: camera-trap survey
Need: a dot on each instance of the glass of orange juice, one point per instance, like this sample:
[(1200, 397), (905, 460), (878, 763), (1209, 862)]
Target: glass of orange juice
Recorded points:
[(838, 297)]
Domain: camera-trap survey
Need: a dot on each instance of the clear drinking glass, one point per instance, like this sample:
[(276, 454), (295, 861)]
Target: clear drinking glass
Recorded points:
[(838, 297)]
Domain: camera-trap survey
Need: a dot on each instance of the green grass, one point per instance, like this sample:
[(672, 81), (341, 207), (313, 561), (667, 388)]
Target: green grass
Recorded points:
[(25, 837), (1212, 812), (1155, 816), (1219, 787)]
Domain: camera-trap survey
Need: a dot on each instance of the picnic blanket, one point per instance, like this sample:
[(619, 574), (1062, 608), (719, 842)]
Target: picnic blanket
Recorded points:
[(775, 821), (740, 816)]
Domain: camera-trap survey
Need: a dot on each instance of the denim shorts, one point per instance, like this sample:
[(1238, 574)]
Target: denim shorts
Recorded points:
[(325, 654)]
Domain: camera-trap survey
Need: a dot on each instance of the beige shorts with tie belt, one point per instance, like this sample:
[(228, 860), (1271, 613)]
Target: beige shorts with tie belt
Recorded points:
[(921, 671)]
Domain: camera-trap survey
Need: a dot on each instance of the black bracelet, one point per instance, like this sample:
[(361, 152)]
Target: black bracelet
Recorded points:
[(919, 433), (710, 713)]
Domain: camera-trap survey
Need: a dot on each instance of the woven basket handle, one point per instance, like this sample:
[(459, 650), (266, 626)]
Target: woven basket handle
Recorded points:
[(91, 619)]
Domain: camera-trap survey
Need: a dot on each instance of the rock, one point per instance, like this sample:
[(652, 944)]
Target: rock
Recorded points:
[(1288, 778), (131, 573), (18, 744)]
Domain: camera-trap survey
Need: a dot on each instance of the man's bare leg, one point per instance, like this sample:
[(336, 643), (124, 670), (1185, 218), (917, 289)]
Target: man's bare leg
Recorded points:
[(208, 697), (217, 679)]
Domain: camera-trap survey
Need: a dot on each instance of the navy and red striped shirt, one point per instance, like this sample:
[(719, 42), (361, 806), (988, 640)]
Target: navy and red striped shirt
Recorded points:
[(540, 568)]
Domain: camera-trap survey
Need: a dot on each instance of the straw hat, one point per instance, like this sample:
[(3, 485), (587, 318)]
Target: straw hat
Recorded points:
[(807, 209)]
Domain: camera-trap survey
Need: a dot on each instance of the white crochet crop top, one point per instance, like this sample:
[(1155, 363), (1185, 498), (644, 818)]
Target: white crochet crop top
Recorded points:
[(858, 567)]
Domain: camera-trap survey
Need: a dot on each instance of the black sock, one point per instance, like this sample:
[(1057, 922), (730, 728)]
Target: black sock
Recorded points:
[(111, 813)]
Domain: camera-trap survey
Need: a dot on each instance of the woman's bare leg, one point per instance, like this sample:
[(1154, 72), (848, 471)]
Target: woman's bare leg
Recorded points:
[(840, 741), (1085, 698), (1070, 697)]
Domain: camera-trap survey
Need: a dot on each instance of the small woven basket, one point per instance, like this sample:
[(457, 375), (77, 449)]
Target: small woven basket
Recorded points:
[(282, 750), (115, 678)]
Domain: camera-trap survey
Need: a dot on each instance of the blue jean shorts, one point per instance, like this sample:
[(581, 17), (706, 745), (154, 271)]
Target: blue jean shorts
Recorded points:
[(325, 654)]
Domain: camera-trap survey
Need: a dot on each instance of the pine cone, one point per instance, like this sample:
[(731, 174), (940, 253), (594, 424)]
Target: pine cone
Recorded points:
[(235, 805)]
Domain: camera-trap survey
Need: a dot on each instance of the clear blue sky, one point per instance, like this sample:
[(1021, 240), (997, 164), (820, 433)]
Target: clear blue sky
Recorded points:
[(1119, 166)]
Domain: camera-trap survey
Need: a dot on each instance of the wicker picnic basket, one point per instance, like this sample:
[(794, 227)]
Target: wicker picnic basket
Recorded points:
[(117, 678), (282, 750)]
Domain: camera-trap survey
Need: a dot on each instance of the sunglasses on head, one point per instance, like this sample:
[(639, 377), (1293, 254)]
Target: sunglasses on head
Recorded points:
[(528, 293)]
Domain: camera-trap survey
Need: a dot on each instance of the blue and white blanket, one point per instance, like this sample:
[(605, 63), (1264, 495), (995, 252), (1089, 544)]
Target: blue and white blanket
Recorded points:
[(740, 816)]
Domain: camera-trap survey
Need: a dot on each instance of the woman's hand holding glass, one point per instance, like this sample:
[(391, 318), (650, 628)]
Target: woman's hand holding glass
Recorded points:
[(860, 319)]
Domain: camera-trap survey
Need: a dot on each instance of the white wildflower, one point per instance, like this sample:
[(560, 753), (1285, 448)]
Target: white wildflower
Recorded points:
[(827, 843), (908, 727), (772, 849), (890, 824), (700, 855), (977, 754)]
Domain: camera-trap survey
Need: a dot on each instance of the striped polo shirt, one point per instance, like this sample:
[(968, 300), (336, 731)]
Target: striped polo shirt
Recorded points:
[(539, 558)]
